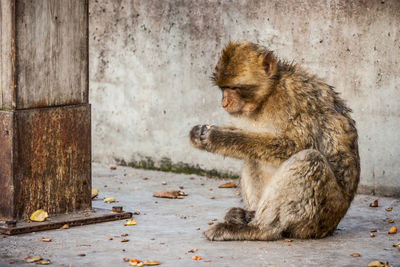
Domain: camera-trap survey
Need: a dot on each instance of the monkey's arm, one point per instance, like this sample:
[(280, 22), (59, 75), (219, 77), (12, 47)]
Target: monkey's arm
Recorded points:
[(244, 145)]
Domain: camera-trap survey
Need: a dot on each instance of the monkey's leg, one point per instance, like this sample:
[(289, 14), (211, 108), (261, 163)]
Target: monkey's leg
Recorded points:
[(303, 200)]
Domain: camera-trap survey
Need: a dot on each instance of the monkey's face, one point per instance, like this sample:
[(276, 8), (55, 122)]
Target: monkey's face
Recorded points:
[(234, 103), (243, 73)]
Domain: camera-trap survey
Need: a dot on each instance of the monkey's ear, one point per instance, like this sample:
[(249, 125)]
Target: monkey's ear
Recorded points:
[(269, 63)]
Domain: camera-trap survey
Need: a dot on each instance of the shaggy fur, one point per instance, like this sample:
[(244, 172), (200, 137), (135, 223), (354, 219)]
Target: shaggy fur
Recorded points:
[(298, 142)]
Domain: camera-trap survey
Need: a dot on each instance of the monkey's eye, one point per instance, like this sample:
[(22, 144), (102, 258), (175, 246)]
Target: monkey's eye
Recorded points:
[(230, 88)]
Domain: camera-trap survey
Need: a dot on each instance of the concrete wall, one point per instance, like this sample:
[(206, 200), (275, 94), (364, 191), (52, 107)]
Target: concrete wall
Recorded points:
[(150, 63)]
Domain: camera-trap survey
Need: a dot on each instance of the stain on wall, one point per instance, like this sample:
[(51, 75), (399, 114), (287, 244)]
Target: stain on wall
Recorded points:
[(150, 63)]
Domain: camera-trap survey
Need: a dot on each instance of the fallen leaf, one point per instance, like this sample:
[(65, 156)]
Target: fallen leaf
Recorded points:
[(228, 185), (391, 221), (110, 238), (44, 262), (371, 235), (125, 240), (198, 228), (109, 200), (207, 261), (95, 192), (212, 197), (39, 216), (195, 258), (374, 231), (288, 240), (45, 239), (397, 245), (130, 222), (151, 262), (170, 194), (125, 259), (355, 255), (374, 204), (213, 219), (65, 226), (377, 264), (210, 223), (135, 262), (124, 234), (31, 259), (81, 255), (389, 209), (392, 230), (113, 168)]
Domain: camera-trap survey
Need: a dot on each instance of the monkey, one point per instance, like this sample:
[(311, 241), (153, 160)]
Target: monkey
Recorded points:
[(298, 143)]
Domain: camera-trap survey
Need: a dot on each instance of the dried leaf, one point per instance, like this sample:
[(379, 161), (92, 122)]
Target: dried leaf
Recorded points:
[(81, 255), (374, 204), (95, 192), (392, 230), (44, 262), (210, 223), (125, 240), (389, 209), (130, 222), (46, 239), (371, 235), (124, 234), (170, 194), (65, 226), (391, 221), (39, 216), (135, 262), (377, 264), (288, 240), (355, 255), (113, 168), (151, 262), (228, 185), (31, 259), (110, 238), (109, 200)]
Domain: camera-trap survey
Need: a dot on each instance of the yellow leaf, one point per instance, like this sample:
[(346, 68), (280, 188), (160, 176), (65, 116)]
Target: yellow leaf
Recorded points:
[(95, 192), (130, 222), (109, 200), (39, 216)]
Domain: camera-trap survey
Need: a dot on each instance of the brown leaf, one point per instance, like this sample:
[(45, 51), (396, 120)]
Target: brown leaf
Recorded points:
[(228, 185), (125, 240), (81, 255), (46, 239), (110, 238), (170, 194), (355, 255), (113, 168), (389, 209), (65, 226), (392, 230), (374, 204), (210, 223), (124, 234), (288, 240), (371, 235)]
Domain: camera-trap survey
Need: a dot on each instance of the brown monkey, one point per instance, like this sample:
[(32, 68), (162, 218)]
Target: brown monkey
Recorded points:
[(298, 142)]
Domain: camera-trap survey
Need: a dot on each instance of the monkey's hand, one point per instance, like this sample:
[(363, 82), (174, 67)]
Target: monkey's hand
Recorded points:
[(200, 135)]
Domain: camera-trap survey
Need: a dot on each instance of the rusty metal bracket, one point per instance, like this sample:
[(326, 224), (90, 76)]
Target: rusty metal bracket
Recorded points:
[(59, 220)]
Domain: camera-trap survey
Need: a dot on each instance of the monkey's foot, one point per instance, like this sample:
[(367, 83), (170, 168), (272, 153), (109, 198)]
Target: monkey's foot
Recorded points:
[(216, 233), (238, 215)]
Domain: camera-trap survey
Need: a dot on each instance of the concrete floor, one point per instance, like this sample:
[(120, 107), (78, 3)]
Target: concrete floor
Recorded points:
[(168, 228)]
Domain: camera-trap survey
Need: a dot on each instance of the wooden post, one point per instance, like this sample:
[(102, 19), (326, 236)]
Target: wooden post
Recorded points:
[(45, 155)]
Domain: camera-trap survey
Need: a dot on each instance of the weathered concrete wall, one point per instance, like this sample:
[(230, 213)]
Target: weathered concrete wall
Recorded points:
[(150, 63)]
